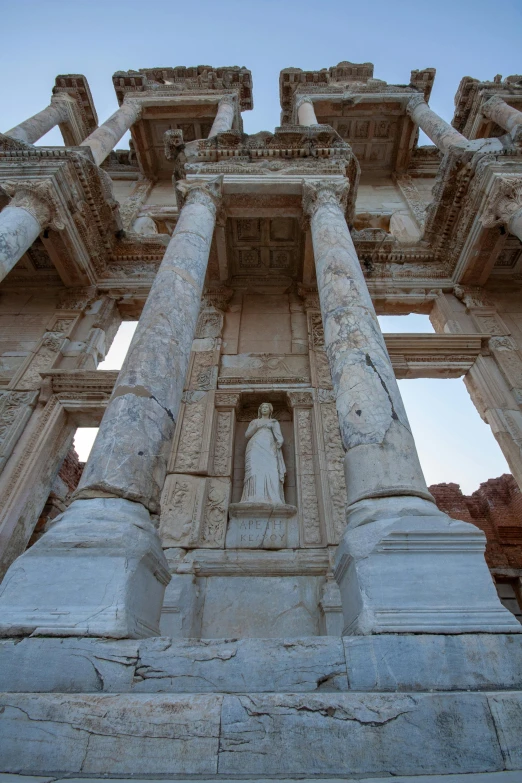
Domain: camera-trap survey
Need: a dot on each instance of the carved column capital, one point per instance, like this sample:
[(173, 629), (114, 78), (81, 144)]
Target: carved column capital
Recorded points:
[(229, 98), (300, 399), (206, 192), (505, 200), (303, 99), (310, 296), (324, 193), (414, 102), (488, 109), (217, 298), (135, 105), (37, 198), (472, 296), (227, 399)]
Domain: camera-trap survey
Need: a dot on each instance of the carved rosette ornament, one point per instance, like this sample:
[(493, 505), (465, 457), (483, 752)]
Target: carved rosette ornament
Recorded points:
[(37, 198), (206, 192), (504, 203)]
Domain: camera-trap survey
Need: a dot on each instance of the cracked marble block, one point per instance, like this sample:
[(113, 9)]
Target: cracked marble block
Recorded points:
[(101, 571), (394, 526)]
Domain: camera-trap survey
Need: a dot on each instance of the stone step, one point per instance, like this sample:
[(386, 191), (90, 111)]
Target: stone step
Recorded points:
[(256, 736), (485, 777), (379, 663)]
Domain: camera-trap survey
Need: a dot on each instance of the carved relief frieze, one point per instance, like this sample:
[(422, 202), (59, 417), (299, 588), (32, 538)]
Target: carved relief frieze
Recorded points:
[(194, 511), (192, 446), (15, 410), (335, 467), (210, 323), (223, 443), (264, 368), (45, 354), (203, 372), (306, 477)]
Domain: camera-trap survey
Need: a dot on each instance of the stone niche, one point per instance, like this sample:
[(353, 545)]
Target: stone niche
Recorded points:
[(281, 531)]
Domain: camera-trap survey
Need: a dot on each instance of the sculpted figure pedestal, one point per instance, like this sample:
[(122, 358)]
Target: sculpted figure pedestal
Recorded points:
[(262, 519)]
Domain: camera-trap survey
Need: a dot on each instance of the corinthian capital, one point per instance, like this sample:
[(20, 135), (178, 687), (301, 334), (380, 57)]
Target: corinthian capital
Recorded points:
[(415, 100), (324, 193), (208, 192), (303, 99), (504, 200), (37, 198), (230, 98)]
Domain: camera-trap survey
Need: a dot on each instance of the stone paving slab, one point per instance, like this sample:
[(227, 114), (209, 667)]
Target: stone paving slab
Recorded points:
[(486, 777)]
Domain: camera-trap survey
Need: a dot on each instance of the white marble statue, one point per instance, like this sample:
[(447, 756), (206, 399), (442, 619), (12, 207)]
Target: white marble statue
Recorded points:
[(264, 464)]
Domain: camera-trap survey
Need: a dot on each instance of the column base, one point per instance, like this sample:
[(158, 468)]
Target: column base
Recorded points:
[(410, 573), (99, 571)]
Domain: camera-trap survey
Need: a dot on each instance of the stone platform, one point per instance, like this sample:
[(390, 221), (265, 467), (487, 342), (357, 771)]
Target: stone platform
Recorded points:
[(318, 707)]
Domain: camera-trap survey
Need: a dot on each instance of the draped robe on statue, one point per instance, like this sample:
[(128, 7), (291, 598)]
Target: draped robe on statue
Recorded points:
[(264, 465)]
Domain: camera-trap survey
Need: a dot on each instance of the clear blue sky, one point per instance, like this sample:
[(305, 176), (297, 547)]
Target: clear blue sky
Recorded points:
[(42, 38)]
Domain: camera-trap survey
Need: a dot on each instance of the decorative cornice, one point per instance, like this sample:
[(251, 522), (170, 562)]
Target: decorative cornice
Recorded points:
[(324, 193), (37, 198), (504, 201)]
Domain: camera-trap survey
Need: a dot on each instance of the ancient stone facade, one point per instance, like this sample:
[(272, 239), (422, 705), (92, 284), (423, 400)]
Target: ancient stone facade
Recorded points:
[(256, 266)]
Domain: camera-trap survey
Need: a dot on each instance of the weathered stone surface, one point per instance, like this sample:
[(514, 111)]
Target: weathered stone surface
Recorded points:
[(264, 607), (297, 665), (403, 662), (506, 709), (67, 665), (379, 663), (128, 734), (357, 734)]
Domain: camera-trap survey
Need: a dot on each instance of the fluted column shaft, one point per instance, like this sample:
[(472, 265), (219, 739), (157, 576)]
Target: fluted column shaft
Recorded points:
[(104, 139), (22, 221), (503, 114), (41, 123), (438, 130), (381, 458), (224, 118), (129, 456), (306, 112)]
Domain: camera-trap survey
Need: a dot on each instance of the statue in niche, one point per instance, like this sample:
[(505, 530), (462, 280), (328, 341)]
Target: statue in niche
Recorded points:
[(264, 464)]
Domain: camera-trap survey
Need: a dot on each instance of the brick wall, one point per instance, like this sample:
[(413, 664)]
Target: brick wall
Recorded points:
[(496, 508)]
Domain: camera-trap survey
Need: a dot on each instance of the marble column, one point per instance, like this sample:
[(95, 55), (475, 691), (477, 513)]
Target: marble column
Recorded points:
[(305, 111), (104, 139), (504, 205), (438, 130), (39, 124), (100, 570), (224, 118), (21, 222), (393, 525), (504, 115)]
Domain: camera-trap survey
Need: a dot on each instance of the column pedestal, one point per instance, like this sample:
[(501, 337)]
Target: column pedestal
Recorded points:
[(402, 565)]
